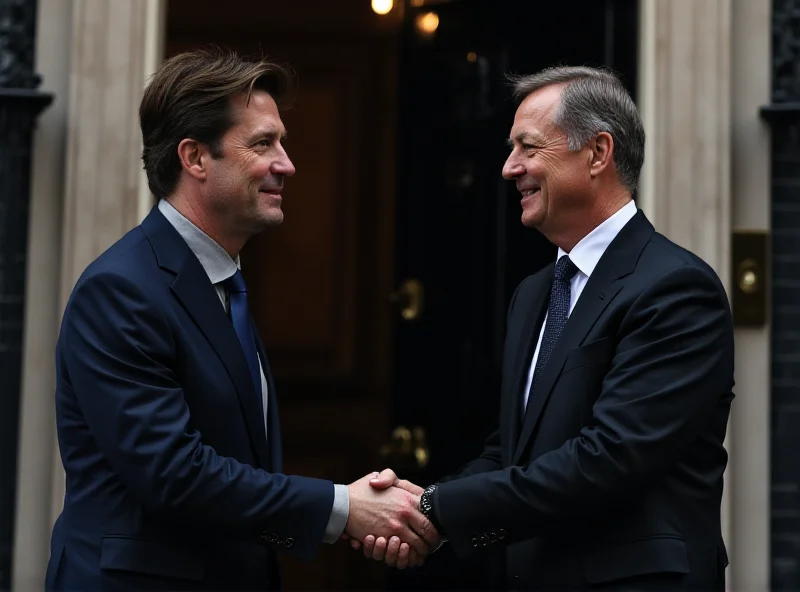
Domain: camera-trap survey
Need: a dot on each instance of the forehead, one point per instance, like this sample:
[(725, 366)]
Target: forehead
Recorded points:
[(535, 114), (260, 111)]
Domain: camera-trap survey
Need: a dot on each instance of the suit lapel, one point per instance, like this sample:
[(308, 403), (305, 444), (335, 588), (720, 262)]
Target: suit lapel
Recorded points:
[(532, 315), (193, 289), (606, 281)]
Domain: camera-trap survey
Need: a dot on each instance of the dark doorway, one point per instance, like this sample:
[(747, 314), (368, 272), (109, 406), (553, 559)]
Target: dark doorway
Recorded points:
[(399, 140), (461, 248)]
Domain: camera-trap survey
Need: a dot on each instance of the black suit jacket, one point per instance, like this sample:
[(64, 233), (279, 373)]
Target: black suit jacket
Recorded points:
[(614, 475)]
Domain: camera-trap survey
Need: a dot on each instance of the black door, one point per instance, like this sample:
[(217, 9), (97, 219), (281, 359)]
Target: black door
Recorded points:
[(461, 248)]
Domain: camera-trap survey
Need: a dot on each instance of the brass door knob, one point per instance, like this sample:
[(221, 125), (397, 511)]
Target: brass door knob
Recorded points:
[(410, 296), (406, 450)]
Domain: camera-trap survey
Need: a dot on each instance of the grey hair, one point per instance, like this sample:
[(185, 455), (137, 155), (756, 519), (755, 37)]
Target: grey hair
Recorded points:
[(593, 100)]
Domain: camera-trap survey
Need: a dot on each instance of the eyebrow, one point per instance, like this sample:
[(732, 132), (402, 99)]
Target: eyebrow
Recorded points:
[(525, 138), (267, 133)]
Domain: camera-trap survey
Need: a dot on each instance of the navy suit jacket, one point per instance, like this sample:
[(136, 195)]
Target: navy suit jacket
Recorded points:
[(613, 477), (171, 481)]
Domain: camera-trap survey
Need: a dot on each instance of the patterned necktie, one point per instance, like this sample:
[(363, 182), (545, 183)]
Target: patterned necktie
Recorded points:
[(240, 316), (557, 313)]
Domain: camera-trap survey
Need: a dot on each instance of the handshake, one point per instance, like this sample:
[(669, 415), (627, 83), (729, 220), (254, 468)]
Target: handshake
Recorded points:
[(385, 521)]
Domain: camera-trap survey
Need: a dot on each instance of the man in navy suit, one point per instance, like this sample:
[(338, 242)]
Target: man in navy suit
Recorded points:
[(606, 469), (165, 405)]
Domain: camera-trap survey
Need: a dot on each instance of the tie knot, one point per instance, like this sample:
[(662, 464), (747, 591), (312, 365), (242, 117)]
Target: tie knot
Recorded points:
[(565, 269), (235, 283)]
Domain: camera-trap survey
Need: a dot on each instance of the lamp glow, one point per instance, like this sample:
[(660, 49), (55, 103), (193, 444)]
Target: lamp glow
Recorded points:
[(382, 6), (427, 23)]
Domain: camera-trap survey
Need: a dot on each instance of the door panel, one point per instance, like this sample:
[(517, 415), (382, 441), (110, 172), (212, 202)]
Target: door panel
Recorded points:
[(398, 178), (319, 284), (311, 256)]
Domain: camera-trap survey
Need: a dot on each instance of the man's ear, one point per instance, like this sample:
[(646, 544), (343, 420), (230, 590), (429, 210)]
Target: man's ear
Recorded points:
[(193, 156), (602, 156)]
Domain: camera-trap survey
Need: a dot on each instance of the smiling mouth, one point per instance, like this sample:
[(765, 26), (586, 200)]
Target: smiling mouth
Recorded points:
[(531, 191)]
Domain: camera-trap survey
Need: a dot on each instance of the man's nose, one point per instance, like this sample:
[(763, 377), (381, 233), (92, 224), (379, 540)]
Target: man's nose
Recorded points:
[(283, 166), (512, 168)]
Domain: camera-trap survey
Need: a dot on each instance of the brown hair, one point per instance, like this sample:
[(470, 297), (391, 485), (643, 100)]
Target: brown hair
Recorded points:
[(189, 97)]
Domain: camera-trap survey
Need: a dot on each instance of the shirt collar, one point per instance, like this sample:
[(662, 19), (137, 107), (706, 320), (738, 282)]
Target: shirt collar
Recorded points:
[(216, 262), (587, 253)]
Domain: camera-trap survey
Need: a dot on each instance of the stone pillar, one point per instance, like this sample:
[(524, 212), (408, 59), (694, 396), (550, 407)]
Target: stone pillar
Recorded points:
[(685, 100), (90, 160), (109, 69), (749, 481), (116, 45), (20, 105), (42, 309)]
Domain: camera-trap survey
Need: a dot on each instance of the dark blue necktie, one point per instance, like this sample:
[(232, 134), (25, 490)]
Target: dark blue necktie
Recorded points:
[(557, 313), (240, 316)]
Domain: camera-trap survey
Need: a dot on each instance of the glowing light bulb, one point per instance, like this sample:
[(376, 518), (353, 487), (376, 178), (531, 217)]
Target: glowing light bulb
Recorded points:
[(427, 23), (382, 6)]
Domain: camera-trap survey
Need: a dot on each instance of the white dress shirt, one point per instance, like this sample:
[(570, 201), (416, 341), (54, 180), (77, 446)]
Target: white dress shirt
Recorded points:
[(585, 255), (219, 266)]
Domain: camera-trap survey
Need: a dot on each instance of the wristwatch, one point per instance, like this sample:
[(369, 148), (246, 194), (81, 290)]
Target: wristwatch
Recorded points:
[(426, 507), (426, 502)]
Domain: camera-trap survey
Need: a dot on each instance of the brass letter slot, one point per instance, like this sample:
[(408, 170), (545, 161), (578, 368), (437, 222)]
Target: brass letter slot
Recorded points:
[(750, 278)]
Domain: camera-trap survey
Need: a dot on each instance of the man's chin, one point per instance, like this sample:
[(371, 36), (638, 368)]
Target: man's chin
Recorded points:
[(271, 216), (263, 220), (531, 219)]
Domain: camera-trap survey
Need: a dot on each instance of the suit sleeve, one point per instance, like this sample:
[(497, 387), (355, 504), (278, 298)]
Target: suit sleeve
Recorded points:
[(491, 457), (672, 368), (119, 355)]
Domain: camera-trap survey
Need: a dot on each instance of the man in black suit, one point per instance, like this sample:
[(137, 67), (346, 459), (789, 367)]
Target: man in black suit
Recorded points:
[(606, 470)]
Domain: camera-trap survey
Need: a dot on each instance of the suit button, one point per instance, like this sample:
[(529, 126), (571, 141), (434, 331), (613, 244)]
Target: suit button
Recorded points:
[(501, 533), (273, 538), (475, 542), (289, 542)]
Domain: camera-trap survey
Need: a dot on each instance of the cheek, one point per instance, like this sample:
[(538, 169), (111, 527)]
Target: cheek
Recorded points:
[(570, 185), (560, 172), (545, 167), (537, 169), (249, 167), (221, 176)]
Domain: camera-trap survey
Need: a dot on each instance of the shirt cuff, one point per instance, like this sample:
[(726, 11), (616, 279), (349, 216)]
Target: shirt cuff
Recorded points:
[(339, 514)]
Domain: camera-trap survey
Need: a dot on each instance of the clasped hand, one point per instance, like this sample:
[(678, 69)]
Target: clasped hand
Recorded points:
[(385, 521)]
